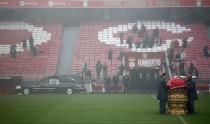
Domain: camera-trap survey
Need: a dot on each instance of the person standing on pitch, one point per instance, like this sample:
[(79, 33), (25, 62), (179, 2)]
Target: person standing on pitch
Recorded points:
[(84, 70), (192, 94), (162, 93)]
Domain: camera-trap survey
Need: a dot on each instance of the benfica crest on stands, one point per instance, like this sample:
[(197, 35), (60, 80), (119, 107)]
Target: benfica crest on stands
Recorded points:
[(131, 62)]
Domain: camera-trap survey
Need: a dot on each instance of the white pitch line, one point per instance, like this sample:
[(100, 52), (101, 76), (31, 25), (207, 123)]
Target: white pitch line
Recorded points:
[(154, 98), (179, 116), (182, 119)]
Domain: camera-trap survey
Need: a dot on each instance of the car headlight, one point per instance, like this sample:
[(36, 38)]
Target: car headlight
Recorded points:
[(18, 87)]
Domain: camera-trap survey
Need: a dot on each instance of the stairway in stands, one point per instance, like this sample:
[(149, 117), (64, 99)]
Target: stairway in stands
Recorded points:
[(69, 37)]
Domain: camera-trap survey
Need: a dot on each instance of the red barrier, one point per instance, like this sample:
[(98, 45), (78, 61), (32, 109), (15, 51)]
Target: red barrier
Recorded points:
[(7, 85), (202, 86)]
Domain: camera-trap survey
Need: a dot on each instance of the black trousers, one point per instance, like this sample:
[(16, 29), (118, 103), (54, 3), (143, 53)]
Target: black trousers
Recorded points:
[(190, 106), (162, 104)]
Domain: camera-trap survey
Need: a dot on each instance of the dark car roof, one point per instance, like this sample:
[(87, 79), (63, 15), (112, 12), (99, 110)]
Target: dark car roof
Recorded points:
[(66, 78)]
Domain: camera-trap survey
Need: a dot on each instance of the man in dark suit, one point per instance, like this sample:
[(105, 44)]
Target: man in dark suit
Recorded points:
[(125, 82), (162, 93), (192, 94), (110, 53), (130, 41), (98, 69), (121, 38)]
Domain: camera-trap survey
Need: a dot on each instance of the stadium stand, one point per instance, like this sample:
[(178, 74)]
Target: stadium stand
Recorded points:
[(47, 40), (96, 39)]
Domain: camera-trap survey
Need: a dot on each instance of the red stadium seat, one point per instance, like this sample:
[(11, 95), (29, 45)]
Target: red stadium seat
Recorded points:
[(25, 64)]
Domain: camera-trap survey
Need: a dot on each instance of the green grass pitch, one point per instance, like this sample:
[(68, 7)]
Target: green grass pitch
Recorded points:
[(94, 109)]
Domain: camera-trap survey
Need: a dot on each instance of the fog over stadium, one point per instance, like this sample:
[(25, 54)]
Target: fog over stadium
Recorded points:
[(104, 61)]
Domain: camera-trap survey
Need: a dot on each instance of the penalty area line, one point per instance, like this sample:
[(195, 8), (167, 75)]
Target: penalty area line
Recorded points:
[(179, 116)]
